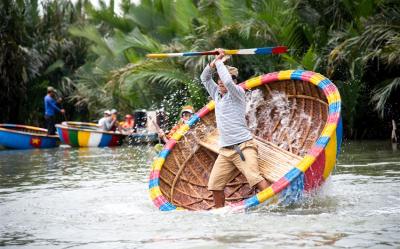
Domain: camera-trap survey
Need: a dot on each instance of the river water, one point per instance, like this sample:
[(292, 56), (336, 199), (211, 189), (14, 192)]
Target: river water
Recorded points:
[(97, 198)]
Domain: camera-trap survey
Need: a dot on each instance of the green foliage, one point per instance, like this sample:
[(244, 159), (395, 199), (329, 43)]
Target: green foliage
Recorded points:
[(324, 36), (100, 46), (36, 51), (383, 92), (107, 18), (370, 46), (309, 61), (355, 43), (351, 92)]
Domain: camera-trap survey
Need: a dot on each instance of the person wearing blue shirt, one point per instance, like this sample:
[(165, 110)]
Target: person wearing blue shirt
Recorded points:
[(50, 110)]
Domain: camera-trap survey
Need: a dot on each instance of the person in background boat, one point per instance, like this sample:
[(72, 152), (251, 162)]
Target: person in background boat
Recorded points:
[(106, 122), (185, 114), (237, 148), (114, 120), (50, 110), (127, 126)]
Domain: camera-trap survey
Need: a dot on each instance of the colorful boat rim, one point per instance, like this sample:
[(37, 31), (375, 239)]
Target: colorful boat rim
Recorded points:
[(82, 134), (82, 125), (313, 169), (26, 137)]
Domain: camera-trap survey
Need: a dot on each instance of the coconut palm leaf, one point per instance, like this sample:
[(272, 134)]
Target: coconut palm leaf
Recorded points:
[(382, 94), (90, 32), (107, 16), (159, 73), (390, 54), (376, 41), (133, 41)]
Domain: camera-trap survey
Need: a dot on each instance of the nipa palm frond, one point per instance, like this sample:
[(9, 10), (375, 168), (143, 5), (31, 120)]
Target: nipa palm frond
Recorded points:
[(382, 94)]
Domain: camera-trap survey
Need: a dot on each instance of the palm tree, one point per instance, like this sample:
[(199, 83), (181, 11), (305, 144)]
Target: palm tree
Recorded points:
[(167, 26), (132, 81), (35, 51), (341, 39), (373, 46), (15, 65)]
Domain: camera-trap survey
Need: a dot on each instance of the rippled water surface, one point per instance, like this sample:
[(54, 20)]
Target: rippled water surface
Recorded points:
[(97, 198)]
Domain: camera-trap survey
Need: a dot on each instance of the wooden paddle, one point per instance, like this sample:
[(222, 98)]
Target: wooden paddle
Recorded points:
[(249, 51)]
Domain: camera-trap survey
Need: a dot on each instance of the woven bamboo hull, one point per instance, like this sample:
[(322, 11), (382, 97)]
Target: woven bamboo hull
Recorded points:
[(79, 134), (26, 137), (295, 119)]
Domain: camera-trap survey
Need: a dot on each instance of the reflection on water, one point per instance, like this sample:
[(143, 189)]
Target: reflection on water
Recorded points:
[(97, 197)]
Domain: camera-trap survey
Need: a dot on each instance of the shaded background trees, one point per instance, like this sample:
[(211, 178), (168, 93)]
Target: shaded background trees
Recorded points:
[(36, 51), (97, 57)]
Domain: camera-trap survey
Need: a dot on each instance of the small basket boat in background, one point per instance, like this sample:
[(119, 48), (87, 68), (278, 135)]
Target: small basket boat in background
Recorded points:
[(15, 136), (82, 134), (295, 119)]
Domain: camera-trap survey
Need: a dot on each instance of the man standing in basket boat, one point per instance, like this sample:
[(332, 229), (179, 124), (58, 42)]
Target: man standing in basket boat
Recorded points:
[(237, 148), (50, 109)]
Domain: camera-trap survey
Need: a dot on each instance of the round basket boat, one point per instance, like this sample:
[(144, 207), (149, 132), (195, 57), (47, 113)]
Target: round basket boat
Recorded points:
[(15, 136), (82, 134), (295, 119)]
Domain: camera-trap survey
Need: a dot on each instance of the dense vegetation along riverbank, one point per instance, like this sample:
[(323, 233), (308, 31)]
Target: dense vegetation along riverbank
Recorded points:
[(95, 57)]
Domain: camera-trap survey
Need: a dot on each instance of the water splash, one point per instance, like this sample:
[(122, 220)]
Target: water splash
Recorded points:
[(279, 120), (190, 142), (254, 99)]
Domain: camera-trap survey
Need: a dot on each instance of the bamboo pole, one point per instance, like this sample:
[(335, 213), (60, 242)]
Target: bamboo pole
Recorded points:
[(249, 51)]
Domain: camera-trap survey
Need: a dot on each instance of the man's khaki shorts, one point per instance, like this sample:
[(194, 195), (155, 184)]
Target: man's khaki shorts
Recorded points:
[(229, 159)]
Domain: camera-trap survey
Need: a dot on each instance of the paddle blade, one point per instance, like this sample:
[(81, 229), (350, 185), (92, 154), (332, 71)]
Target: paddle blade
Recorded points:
[(279, 50)]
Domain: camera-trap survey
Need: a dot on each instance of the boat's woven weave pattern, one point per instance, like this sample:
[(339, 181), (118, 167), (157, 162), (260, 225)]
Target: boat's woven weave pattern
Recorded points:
[(307, 175)]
